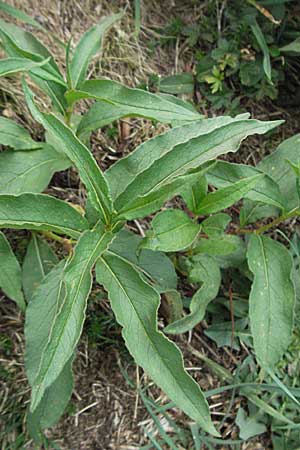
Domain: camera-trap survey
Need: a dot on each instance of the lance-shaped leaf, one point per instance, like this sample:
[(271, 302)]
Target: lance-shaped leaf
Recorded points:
[(87, 47), (40, 212), (146, 204), (172, 230), (271, 299), (20, 15), (135, 305), (29, 171), (206, 271), (155, 266), (78, 153), (10, 273), (266, 191), (141, 103), (184, 157), (68, 322), (15, 136), (22, 44), (225, 197), (38, 262), (9, 66), (40, 314), (124, 171)]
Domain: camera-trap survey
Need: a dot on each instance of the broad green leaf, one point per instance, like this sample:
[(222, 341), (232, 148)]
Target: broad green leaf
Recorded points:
[(67, 324), (277, 167), (206, 272), (271, 299), (237, 257), (15, 136), (266, 191), (29, 171), (172, 230), (9, 66), (182, 83), (155, 266), (79, 154), (227, 196), (184, 157), (292, 48), (221, 333), (40, 212), (155, 199), (141, 103), (220, 245), (214, 226), (10, 273), (124, 171), (194, 194), (135, 305), (87, 47), (41, 311), (38, 262)]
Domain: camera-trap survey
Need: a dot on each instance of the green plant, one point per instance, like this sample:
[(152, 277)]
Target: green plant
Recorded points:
[(133, 270), (243, 50)]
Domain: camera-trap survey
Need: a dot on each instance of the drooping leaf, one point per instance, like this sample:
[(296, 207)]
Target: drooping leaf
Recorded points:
[(206, 272), (140, 103), (10, 273), (40, 212), (264, 48), (87, 47), (193, 154), (79, 154), (227, 196), (29, 171), (135, 305), (172, 230), (266, 191), (15, 136), (271, 299), (67, 324), (38, 262), (125, 170), (156, 266), (41, 311), (194, 194)]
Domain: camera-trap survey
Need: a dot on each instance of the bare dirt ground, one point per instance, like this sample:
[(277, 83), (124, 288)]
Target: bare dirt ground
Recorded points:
[(106, 412)]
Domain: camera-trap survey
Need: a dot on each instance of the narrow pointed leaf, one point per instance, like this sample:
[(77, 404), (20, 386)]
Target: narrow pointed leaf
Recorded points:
[(9, 66), (266, 191), (271, 299), (155, 266), (78, 153), (135, 305), (15, 136), (141, 103), (205, 271), (38, 262), (10, 273), (191, 155), (194, 194), (171, 230), (225, 197), (20, 15), (40, 212), (67, 324), (87, 47), (29, 171)]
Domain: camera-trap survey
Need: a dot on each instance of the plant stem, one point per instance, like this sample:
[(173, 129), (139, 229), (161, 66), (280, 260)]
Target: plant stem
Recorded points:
[(294, 212)]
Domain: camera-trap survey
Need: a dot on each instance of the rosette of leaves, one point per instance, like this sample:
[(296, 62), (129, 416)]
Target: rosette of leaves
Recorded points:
[(134, 272)]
